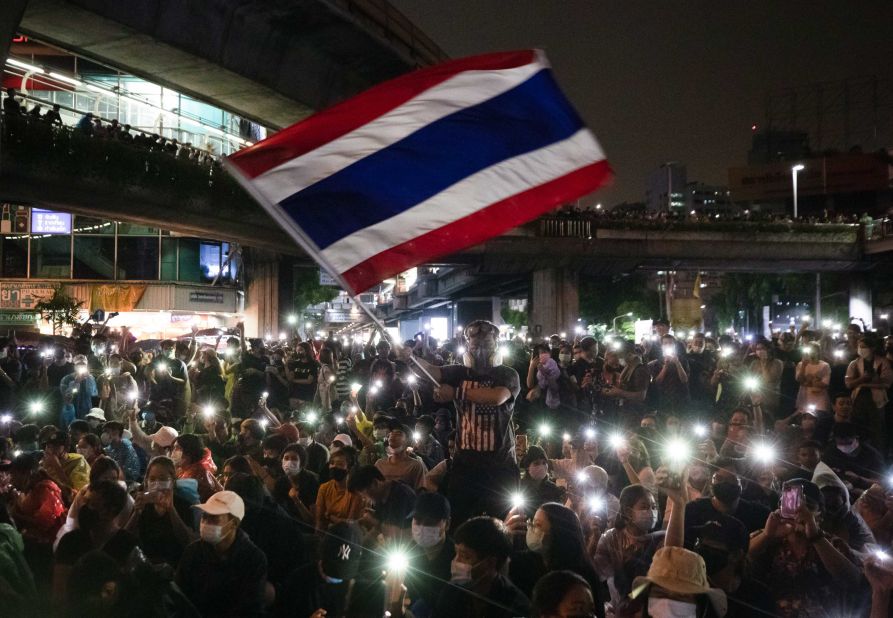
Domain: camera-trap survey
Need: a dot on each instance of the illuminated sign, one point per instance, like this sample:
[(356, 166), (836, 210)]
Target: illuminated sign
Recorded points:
[(50, 222)]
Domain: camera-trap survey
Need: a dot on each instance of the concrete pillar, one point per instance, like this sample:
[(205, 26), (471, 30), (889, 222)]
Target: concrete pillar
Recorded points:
[(555, 301), (497, 310), (860, 299), (262, 294)]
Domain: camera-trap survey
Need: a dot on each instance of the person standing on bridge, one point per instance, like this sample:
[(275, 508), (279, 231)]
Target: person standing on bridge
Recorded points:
[(485, 468)]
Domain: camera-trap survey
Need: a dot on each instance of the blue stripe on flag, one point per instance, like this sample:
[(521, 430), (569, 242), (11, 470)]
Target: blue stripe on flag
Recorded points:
[(530, 116)]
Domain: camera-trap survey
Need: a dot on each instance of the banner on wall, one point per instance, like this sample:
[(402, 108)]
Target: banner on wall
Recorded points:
[(24, 295), (116, 297)]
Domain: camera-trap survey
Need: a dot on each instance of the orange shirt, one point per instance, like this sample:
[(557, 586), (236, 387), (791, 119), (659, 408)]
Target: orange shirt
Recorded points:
[(332, 501)]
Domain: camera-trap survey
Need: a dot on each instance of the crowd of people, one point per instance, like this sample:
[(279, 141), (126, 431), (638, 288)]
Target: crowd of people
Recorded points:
[(93, 126), (671, 477)]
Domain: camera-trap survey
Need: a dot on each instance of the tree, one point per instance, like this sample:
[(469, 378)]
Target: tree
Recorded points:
[(60, 310), (515, 318), (308, 291)]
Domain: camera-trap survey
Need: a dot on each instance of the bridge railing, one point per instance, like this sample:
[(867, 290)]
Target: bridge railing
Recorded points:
[(32, 146), (572, 226), (879, 229)]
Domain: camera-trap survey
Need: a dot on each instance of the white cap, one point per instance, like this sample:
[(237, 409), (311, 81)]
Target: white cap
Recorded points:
[(343, 438), (164, 437), (97, 413), (224, 502)]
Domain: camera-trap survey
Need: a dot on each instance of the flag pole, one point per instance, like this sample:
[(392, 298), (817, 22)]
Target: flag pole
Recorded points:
[(306, 243)]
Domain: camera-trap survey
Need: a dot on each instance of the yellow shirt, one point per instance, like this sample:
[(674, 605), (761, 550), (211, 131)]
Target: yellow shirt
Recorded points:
[(334, 502)]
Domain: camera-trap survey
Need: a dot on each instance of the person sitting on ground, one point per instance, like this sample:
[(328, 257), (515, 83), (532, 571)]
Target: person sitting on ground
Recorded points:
[(562, 593), (392, 502), (223, 573), (194, 461), (399, 465), (297, 489), (334, 502), (121, 450), (478, 588)]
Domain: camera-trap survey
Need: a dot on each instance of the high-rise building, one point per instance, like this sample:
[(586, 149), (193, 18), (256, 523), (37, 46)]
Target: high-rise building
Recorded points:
[(666, 187), (701, 197)]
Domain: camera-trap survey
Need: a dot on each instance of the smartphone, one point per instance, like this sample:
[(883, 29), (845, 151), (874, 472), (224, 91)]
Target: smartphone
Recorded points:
[(790, 501), (521, 443)]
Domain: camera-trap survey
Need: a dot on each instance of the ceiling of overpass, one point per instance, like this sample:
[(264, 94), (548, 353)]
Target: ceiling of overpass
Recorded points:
[(271, 62)]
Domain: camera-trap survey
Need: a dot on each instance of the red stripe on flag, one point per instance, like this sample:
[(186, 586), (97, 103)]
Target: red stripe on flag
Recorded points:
[(341, 119), (478, 227)]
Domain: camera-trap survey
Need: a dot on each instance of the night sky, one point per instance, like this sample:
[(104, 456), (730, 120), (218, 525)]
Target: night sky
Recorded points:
[(672, 81)]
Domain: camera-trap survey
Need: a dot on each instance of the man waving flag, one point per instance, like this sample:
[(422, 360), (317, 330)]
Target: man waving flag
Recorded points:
[(424, 165)]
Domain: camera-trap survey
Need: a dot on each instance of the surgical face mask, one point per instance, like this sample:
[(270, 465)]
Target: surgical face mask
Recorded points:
[(460, 573), (160, 485), (538, 471), (847, 449), (427, 536), (169, 353), (291, 467), (621, 361), (211, 533), (535, 539), (564, 359), (380, 434), (305, 441), (114, 371), (645, 520), (395, 451), (105, 439), (669, 608), (82, 452)]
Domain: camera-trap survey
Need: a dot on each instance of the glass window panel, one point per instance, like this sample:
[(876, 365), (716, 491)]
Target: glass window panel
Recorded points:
[(51, 257), (94, 257), (14, 256), (89, 225), (189, 262), (135, 229), (138, 257), (168, 259), (209, 256)]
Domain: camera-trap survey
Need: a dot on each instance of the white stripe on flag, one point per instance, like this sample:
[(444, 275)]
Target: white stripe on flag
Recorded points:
[(464, 90), (472, 193)]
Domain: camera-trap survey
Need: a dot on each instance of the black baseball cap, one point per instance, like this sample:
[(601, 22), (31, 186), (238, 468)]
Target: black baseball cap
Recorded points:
[(660, 322), (725, 532), (56, 438), (341, 550), (432, 506), (534, 453)]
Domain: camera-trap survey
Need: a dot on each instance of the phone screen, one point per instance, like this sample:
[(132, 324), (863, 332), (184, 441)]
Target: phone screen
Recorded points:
[(790, 501)]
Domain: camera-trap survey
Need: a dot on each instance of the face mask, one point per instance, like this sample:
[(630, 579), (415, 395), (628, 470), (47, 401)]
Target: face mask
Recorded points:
[(645, 520), (114, 371), (88, 519), (714, 559), (291, 468), (538, 471), (334, 580), (211, 533), (82, 452), (535, 540), (176, 456), (460, 573), (380, 434), (305, 441), (93, 423), (621, 362), (564, 359), (395, 451), (339, 474), (726, 493), (160, 485), (668, 608), (169, 354), (847, 449), (105, 439), (427, 536)]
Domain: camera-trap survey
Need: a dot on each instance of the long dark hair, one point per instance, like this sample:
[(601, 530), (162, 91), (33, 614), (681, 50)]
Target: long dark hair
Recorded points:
[(628, 498), (567, 547)]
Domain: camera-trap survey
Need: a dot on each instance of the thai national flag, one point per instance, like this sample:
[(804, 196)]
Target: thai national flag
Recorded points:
[(425, 165)]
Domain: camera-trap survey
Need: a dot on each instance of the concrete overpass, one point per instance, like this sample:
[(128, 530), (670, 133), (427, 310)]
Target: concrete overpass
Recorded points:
[(273, 62)]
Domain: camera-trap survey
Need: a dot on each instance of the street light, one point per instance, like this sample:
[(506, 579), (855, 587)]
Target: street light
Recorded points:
[(794, 171), (628, 314)]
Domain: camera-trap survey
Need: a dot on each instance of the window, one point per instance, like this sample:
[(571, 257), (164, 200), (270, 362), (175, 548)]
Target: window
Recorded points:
[(89, 225), (168, 259), (209, 261), (51, 257), (14, 251), (138, 257), (94, 257), (135, 229)]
